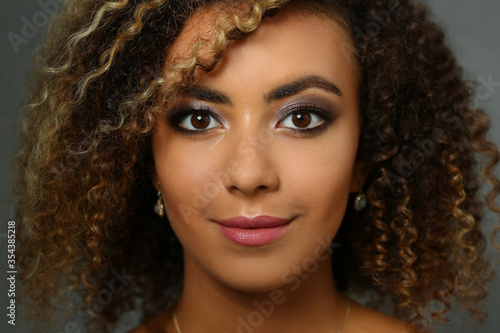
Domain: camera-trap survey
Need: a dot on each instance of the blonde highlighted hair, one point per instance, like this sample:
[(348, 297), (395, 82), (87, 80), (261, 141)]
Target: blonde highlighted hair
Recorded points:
[(84, 170)]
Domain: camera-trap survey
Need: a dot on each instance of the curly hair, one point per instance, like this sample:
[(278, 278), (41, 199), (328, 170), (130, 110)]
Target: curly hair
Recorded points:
[(85, 178)]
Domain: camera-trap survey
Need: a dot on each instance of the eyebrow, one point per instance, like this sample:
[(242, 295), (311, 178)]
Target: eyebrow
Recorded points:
[(205, 94), (300, 85), (289, 89)]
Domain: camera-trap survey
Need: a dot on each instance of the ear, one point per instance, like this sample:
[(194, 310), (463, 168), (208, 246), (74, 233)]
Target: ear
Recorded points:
[(156, 180), (156, 184), (358, 177)]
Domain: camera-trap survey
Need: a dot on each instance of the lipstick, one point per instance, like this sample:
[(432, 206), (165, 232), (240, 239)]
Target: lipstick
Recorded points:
[(259, 230)]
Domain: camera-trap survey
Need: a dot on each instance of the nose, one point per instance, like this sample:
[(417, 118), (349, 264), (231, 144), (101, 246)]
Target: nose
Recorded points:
[(252, 169)]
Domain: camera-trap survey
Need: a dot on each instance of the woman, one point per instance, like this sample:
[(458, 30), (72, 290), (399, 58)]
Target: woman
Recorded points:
[(242, 166)]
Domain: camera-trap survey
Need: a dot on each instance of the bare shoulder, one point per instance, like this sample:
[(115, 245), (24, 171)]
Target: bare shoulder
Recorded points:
[(364, 319)]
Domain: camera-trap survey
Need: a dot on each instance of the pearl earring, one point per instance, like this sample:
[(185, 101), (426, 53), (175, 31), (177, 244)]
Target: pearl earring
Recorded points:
[(360, 201), (159, 208)]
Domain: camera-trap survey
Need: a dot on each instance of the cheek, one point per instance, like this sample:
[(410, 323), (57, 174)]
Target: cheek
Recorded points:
[(320, 174), (322, 178), (184, 171)]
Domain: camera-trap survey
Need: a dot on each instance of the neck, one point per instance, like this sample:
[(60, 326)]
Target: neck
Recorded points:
[(309, 303)]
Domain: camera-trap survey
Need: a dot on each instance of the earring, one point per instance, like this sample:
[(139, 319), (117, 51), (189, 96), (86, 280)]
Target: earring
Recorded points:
[(360, 201), (158, 207)]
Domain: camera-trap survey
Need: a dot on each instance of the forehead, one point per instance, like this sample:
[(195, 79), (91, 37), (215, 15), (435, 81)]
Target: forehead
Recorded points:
[(202, 29)]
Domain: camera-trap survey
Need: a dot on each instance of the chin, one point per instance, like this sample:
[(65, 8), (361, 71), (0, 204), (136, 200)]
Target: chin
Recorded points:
[(256, 283)]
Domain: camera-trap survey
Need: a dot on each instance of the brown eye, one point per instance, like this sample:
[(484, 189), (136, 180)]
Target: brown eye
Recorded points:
[(200, 120), (302, 119)]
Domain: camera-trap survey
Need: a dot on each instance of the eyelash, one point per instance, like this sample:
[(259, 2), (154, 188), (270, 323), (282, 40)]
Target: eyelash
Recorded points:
[(180, 114), (177, 116), (304, 108)]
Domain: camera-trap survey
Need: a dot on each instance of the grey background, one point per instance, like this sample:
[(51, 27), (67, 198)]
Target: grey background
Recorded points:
[(473, 31)]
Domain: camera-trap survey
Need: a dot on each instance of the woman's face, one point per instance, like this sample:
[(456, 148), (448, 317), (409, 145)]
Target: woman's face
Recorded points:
[(272, 131)]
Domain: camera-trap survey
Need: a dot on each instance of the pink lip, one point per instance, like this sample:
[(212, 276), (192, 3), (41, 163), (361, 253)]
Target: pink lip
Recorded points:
[(259, 230)]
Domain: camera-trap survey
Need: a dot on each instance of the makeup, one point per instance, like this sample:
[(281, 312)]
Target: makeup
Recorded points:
[(260, 230), (197, 118), (277, 121)]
